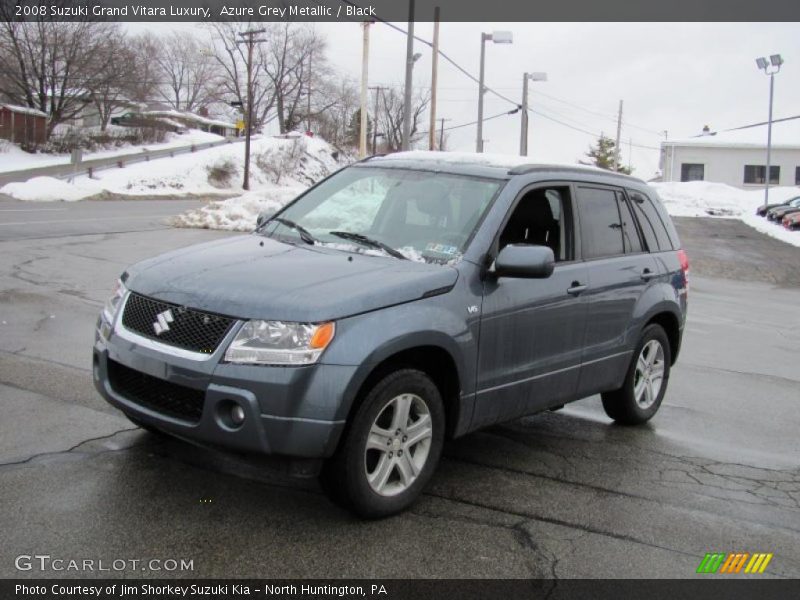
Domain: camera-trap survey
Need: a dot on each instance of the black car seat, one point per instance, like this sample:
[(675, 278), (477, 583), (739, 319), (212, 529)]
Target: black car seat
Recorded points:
[(533, 223)]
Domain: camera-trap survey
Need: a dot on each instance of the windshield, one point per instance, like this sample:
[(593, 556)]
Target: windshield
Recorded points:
[(421, 215)]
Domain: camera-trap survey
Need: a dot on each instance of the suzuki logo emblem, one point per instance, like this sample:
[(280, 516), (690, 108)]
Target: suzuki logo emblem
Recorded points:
[(162, 321)]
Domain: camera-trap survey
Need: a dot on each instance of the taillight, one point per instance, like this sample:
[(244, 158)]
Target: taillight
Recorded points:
[(684, 260)]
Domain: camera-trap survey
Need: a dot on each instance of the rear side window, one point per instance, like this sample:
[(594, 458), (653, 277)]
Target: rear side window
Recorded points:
[(653, 228), (601, 226), (630, 236)]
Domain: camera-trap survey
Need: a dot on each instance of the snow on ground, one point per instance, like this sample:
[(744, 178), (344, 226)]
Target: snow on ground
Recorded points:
[(13, 158), (708, 199), (48, 189), (275, 164)]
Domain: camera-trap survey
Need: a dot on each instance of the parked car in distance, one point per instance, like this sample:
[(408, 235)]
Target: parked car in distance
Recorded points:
[(132, 119), (777, 213), (792, 221), (401, 301), (762, 210)]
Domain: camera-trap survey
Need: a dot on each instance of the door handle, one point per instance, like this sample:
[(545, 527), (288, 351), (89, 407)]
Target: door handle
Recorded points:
[(576, 288), (647, 275)]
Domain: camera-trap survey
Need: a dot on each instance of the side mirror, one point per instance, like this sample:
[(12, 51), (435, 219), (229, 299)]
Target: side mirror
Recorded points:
[(523, 260), (263, 217)]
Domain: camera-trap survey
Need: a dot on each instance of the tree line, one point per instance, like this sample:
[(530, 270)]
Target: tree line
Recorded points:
[(60, 68)]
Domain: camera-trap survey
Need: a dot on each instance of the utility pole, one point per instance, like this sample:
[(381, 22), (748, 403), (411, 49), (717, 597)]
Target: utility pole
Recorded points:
[(523, 138), (441, 133), (249, 39), (378, 89), (362, 133), (406, 141), (308, 110), (619, 133), (434, 78)]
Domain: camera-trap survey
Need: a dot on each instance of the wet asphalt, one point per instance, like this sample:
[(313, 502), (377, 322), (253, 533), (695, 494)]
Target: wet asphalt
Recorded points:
[(557, 495)]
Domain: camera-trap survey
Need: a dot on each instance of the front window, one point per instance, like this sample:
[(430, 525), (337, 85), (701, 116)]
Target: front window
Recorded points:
[(758, 174), (692, 172), (421, 215)]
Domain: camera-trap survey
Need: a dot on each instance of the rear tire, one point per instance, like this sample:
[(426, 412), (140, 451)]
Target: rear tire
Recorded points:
[(640, 396), (390, 448)]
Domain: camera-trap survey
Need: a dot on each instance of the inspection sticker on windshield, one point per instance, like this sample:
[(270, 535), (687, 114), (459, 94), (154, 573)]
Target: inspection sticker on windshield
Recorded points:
[(442, 249)]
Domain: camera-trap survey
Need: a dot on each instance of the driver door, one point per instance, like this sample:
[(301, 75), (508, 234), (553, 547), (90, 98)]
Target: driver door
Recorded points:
[(532, 330)]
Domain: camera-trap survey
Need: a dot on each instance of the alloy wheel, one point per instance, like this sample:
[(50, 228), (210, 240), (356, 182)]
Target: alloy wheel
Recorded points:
[(398, 445)]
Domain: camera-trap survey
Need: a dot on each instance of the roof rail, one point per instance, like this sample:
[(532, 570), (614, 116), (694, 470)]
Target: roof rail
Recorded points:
[(529, 168), (370, 157)]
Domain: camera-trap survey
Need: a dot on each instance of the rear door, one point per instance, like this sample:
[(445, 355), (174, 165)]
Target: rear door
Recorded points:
[(619, 272)]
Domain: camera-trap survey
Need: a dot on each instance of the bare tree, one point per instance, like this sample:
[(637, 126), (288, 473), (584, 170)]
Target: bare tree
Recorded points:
[(51, 66), (390, 119), (287, 66), (109, 92), (143, 84), (335, 100), (231, 58), (188, 72)]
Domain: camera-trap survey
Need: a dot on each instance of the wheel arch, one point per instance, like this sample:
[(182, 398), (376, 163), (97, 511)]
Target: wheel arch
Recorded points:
[(670, 323)]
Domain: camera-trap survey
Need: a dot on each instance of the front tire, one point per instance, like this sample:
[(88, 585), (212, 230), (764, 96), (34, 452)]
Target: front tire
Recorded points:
[(640, 396), (391, 447)]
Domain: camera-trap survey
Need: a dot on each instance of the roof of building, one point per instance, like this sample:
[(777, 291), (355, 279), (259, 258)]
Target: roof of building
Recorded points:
[(24, 110), (785, 134)]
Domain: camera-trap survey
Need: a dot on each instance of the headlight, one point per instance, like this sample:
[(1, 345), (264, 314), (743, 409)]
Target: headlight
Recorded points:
[(280, 343), (114, 302)]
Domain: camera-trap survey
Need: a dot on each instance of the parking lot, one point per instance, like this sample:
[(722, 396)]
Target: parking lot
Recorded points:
[(557, 495)]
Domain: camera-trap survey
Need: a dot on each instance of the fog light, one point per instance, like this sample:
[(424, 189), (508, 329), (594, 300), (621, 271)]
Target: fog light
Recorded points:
[(237, 414)]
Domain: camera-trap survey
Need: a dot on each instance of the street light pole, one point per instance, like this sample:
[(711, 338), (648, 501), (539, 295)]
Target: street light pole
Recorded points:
[(479, 141), (523, 140), (775, 61), (498, 37)]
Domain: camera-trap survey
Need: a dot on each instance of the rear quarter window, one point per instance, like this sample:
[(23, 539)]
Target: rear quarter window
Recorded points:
[(654, 225)]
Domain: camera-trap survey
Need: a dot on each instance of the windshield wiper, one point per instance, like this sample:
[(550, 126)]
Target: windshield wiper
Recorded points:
[(367, 241), (305, 235)]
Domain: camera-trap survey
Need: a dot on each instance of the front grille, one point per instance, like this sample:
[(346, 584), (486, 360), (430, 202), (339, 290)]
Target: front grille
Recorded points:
[(156, 394), (175, 325)]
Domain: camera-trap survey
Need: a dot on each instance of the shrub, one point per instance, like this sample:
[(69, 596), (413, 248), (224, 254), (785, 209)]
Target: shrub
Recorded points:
[(285, 159), (221, 173)]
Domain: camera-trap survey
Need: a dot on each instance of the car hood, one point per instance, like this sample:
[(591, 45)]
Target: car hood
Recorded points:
[(259, 278)]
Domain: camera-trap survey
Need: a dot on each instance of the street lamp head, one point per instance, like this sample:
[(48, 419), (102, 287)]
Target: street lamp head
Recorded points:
[(537, 76), (416, 57), (776, 60), (762, 63), (502, 37)]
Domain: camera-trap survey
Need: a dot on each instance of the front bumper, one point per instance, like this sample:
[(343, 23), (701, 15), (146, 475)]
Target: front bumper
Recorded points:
[(289, 411)]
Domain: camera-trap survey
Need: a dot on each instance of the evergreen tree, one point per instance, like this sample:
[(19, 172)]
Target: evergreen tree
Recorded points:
[(354, 129), (602, 155)]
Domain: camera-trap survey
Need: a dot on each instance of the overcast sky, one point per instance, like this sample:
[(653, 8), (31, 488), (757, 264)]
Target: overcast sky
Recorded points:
[(671, 76)]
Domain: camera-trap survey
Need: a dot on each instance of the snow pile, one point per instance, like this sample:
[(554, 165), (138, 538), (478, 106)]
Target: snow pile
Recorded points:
[(240, 213), (48, 189), (708, 199)]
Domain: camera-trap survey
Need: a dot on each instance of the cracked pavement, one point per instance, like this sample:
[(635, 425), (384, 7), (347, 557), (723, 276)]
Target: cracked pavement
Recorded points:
[(558, 495)]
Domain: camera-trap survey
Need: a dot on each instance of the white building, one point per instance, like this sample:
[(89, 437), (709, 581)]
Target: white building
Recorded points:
[(737, 157)]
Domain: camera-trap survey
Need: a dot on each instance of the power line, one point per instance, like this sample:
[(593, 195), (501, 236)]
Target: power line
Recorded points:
[(446, 57)]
